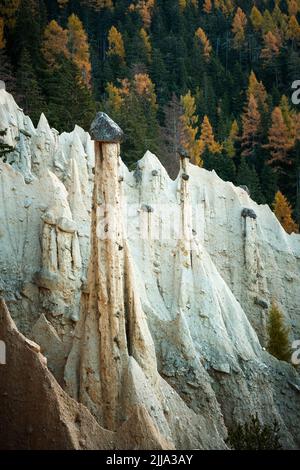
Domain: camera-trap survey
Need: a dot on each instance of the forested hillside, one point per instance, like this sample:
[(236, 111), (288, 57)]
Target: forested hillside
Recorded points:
[(213, 76)]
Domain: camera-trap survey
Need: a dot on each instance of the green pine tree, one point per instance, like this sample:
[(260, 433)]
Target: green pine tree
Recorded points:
[(69, 101), (4, 148), (268, 184), (30, 24), (294, 178), (221, 163), (247, 176), (31, 98), (252, 435), (7, 74), (136, 113), (140, 126)]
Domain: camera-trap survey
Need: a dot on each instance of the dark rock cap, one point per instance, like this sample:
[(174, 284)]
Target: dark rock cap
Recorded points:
[(183, 152), (104, 129), (261, 302), (249, 213), (147, 208)]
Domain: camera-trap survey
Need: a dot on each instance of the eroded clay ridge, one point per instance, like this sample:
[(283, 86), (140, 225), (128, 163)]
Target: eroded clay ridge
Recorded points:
[(147, 296)]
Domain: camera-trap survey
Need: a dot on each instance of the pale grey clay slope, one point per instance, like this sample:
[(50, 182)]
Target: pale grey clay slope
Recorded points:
[(154, 318)]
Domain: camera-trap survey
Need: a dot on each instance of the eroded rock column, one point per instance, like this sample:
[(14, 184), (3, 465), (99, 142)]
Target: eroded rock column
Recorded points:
[(112, 335), (106, 276)]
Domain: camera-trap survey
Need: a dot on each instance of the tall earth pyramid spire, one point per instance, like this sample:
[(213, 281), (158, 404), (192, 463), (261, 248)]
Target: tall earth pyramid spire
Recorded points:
[(112, 326)]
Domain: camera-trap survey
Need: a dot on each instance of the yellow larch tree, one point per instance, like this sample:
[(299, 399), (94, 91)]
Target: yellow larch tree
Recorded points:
[(271, 47), (293, 7), (147, 43), (251, 120), (207, 6), (288, 115), (279, 138), (280, 22), (203, 41), (226, 6), (257, 89), (293, 30), (291, 119), (207, 137), (55, 44), (144, 8), (116, 43), (256, 18), (79, 48), (146, 88), (283, 211), (182, 4), (268, 22), (62, 3), (9, 10), (238, 28), (232, 138), (189, 120), (115, 98), (141, 85)]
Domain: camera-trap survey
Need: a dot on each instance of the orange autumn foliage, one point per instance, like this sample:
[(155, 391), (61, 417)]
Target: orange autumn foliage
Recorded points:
[(283, 212), (79, 48), (279, 138), (116, 43), (203, 41), (54, 44), (238, 28), (207, 137)]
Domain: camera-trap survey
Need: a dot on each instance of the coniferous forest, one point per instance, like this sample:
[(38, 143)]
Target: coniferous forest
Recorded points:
[(212, 76)]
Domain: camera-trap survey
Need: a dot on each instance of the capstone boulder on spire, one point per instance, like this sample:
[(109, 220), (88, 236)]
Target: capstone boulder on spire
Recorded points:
[(104, 129)]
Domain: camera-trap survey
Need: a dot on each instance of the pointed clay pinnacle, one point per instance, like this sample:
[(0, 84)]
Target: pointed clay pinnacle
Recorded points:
[(104, 129)]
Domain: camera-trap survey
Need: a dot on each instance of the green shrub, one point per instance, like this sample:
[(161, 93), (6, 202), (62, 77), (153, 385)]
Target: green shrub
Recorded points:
[(254, 436), (278, 344)]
